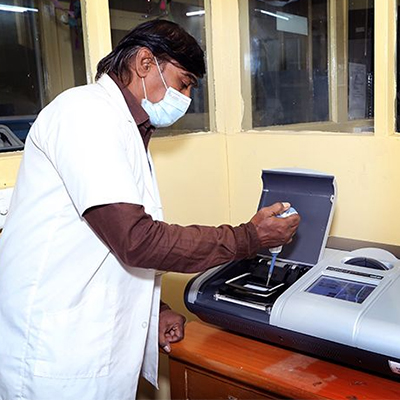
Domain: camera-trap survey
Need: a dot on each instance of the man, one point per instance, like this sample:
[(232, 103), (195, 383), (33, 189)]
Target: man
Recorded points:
[(79, 288)]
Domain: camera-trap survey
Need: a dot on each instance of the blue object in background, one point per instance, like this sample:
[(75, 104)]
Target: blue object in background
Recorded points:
[(19, 125)]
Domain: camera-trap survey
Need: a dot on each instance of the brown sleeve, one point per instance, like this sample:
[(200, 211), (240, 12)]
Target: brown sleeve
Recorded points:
[(139, 241)]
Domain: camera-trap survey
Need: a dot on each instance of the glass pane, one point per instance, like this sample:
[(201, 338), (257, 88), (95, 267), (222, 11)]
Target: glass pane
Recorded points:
[(361, 59), (289, 61), (41, 52), (126, 14), (304, 67)]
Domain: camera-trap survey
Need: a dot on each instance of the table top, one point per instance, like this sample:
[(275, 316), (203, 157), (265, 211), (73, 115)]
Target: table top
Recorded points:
[(275, 369)]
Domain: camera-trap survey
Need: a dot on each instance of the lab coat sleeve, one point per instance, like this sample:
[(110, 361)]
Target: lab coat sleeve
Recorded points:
[(86, 143)]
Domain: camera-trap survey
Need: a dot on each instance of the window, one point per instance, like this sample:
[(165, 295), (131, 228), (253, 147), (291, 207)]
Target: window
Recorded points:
[(126, 14), (41, 51), (311, 64)]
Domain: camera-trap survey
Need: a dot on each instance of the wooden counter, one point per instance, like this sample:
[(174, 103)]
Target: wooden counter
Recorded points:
[(214, 364)]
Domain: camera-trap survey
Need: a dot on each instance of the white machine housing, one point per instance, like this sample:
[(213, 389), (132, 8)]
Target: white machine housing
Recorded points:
[(372, 323)]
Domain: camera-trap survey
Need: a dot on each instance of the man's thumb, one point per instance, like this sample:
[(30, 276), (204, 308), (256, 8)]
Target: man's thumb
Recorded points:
[(279, 208), (164, 344), (167, 348)]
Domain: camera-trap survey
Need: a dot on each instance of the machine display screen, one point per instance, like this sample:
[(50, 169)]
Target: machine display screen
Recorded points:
[(356, 292)]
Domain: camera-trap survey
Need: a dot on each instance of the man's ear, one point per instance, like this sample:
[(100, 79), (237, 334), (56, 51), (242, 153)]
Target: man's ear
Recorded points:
[(143, 62)]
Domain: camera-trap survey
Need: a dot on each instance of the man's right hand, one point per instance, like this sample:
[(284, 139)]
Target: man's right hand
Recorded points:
[(273, 231)]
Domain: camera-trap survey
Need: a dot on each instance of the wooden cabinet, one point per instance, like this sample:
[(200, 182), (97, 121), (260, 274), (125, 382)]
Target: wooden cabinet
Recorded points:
[(196, 384), (214, 364)]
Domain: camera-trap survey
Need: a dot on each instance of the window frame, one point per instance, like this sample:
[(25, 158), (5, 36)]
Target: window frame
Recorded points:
[(337, 76), (97, 21)]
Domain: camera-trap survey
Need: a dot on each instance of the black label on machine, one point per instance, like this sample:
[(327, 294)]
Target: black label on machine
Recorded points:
[(352, 272)]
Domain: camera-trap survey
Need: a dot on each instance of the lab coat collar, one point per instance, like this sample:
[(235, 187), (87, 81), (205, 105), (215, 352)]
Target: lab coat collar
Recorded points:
[(115, 93), (140, 117), (138, 112)]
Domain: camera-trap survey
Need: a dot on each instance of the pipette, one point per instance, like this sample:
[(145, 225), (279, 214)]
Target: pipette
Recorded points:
[(276, 250)]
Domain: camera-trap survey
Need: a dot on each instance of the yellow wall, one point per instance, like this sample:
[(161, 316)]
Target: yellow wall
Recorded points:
[(367, 170), (192, 174), (9, 164)]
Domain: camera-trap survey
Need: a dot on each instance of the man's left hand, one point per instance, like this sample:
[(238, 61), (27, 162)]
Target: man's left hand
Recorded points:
[(170, 328)]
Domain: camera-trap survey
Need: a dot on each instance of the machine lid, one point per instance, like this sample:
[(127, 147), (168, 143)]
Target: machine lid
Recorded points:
[(312, 194)]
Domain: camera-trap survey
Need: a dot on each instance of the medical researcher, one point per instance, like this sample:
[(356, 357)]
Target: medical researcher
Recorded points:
[(84, 243)]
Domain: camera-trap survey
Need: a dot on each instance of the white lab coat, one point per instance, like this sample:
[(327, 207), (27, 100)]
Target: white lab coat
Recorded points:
[(74, 322)]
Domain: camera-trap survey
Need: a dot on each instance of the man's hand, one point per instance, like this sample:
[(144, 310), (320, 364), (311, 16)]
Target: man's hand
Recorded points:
[(170, 328), (273, 231)]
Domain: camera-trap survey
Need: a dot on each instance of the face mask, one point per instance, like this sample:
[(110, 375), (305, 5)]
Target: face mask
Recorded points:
[(169, 109)]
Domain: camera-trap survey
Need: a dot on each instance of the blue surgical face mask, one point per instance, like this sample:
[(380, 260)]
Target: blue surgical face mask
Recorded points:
[(169, 109)]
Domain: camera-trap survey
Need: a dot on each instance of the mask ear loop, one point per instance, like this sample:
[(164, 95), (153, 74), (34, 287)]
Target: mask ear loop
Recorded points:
[(144, 89), (159, 70)]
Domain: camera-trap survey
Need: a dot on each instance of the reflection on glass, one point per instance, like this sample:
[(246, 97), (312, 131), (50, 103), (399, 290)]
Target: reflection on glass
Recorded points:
[(305, 69), (355, 292), (126, 14), (21, 76), (289, 61), (41, 55), (361, 59)]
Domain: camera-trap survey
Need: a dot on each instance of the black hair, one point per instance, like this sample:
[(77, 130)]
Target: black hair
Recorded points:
[(166, 40)]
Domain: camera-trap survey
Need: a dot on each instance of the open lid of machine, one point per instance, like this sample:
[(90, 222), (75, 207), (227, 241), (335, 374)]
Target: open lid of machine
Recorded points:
[(313, 196)]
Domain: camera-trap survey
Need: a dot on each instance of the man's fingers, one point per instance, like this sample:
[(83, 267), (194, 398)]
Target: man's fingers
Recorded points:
[(175, 334), (279, 208), (167, 348), (285, 205), (171, 328), (164, 342)]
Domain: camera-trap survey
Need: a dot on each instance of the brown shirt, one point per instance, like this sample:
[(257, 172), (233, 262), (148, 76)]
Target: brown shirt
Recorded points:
[(139, 241)]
